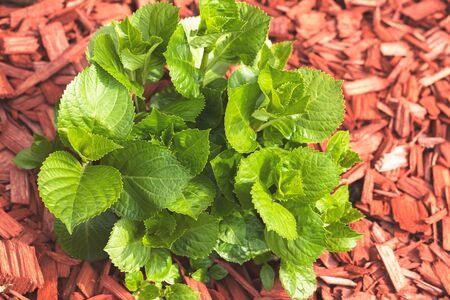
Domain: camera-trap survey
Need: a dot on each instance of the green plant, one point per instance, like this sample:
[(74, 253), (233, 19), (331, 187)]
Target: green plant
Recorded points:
[(210, 166)]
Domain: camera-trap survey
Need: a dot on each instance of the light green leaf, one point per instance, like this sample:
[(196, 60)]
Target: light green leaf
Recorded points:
[(310, 242), (169, 101), (76, 193), (276, 217), (147, 292), (218, 15), (128, 37), (200, 237), (298, 280), (341, 238), (276, 55), (241, 237), (125, 247), (289, 183), (98, 104), (201, 275), (158, 266), (242, 101), (106, 56), (90, 146), (319, 173), (87, 239), (183, 73), (267, 275), (198, 195), (191, 147), (153, 178), (224, 167), (157, 19), (179, 291), (33, 157), (338, 148), (155, 123), (133, 280), (159, 230)]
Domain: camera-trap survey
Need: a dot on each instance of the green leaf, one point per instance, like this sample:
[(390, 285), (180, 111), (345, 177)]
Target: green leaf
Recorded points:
[(152, 178), (338, 148), (87, 239), (157, 19), (148, 292), (90, 146), (198, 195), (276, 55), (242, 101), (319, 173), (155, 123), (125, 247), (191, 147), (217, 272), (267, 275), (224, 167), (200, 237), (212, 114), (276, 217), (106, 56), (184, 75), (169, 101), (179, 291), (96, 103), (160, 230), (129, 37), (33, 157), (324, 107), (158, 266), (341, 238), (338, 208), (218, 15), (310, 241), (133, 280), (201, 275), (298, 280), (241, 237), (76, 193)]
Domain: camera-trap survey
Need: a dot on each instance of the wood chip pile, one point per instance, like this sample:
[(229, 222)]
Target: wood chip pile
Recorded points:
[(395, 59)]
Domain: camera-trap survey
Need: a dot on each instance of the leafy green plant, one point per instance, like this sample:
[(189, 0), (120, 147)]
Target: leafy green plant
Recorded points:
[(212, 165)]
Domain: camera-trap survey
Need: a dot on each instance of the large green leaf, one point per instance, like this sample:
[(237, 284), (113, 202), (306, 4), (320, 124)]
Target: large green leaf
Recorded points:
[(88, 239), (158, 19), (298, 280), (125, 247), (191, 147), (75, 193), (218, 15), (200, 237), (184, 75), (158, 266), (276, 217), (310, 241), (242, 101), (198, 195), (152, 177), (241, 237), (179, 291), (224, 167), (90, 146), (96, 103)]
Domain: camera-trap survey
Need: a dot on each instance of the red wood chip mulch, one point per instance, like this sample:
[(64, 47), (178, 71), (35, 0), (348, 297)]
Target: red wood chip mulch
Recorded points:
[(394, 58)]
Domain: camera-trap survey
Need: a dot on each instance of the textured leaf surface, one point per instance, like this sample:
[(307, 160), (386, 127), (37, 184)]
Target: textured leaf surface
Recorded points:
[(191, 147), (88, 239), (224, 167), (338, 148), (200, 237), (275, 216), (158, 266), (152, 177), (310, 242), (198, 195), (180, 291), (185, 76), (76, 193), (96, 103), (298, 280), (155, 123), (341, 238), (125, 247), (90, 146), (34, 156)]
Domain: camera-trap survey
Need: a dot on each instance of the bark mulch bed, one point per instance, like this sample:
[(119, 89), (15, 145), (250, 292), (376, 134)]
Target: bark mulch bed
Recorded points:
[(394, 58)]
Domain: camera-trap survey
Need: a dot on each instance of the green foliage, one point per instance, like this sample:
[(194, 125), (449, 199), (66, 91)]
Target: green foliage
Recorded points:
[(211, 165)]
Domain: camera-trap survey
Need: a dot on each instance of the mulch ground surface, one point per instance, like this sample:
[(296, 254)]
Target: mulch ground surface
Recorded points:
[(394, 56)]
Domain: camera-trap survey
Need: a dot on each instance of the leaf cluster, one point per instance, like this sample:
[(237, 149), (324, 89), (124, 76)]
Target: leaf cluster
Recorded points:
[(210, 166)]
